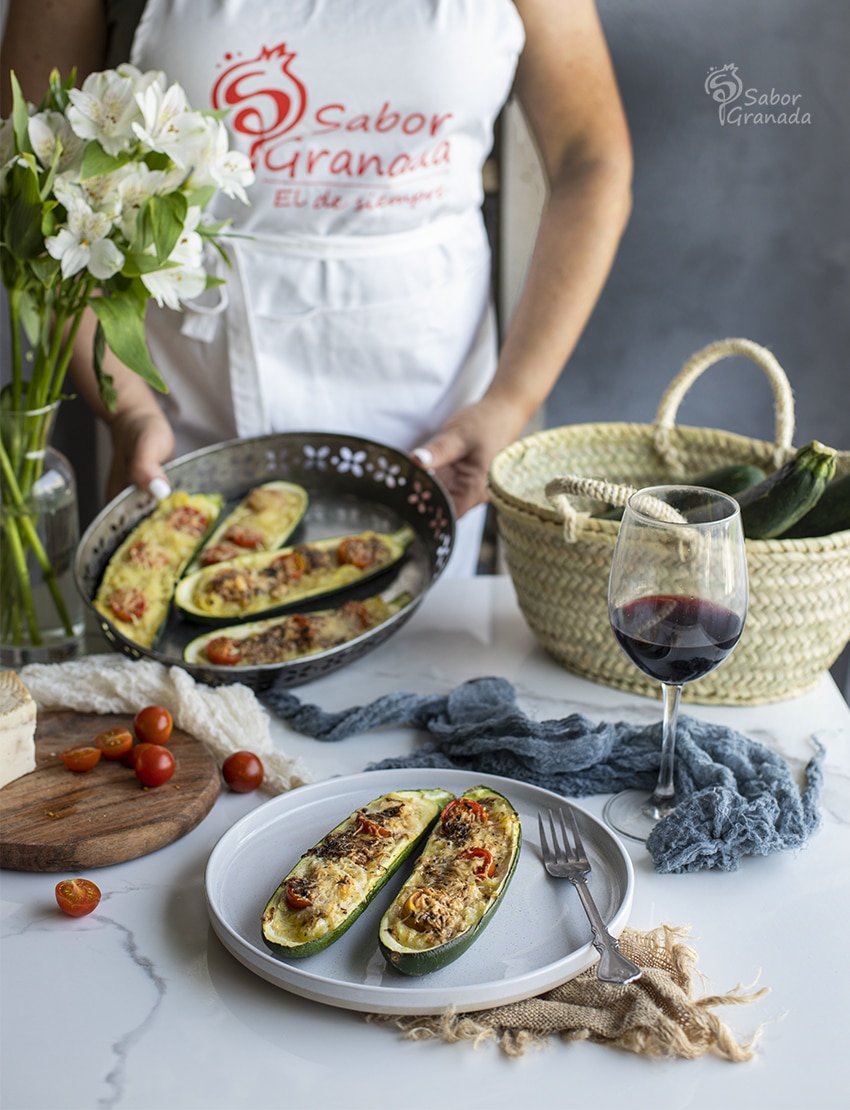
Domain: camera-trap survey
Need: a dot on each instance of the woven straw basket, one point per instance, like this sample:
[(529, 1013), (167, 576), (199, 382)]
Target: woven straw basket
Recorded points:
[(544, 488)]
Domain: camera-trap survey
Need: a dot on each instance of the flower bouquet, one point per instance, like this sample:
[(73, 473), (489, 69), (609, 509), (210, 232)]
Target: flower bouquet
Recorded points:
[(103, 191)]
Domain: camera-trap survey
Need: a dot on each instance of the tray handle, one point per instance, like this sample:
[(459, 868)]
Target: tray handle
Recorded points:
[(697, 364)]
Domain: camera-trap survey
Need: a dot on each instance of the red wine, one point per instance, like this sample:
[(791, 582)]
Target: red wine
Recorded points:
[(675, 639)]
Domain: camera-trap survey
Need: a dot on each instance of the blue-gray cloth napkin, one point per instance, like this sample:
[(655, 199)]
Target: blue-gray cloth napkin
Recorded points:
[(736, 798)]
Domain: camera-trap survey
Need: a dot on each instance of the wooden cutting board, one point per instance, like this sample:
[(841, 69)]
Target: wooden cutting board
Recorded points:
[(56, 820)]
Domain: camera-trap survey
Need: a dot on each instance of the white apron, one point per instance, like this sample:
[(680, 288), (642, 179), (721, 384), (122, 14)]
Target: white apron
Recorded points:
[(359, 300)]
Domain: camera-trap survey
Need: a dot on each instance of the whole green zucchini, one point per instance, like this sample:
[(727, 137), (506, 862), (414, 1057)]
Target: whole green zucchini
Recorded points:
[(732, 478), (773, 506), (333, 883), (831, 513), (456, 886)]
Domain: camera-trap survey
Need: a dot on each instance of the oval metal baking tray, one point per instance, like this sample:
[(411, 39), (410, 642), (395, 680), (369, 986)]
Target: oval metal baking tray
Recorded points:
[(354, 484)]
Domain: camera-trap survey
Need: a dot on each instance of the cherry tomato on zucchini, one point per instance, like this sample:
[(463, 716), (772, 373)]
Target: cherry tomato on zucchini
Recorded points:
[(154, 764), (244, 537), (466, 806), (296, 895), (243, 772), (114, 743), (487, 868), (153, 725), (370, 827), (128, 604), (81, 758), (77, 897), (223, 651)]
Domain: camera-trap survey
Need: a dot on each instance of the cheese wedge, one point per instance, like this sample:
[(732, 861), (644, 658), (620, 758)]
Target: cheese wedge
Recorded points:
[(17, 728)]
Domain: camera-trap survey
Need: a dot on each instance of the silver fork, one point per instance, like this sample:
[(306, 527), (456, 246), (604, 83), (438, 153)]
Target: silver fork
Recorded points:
[(564, 861)]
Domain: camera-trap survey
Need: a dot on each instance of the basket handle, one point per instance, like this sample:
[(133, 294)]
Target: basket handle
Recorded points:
[(697, 364), (558, 491)]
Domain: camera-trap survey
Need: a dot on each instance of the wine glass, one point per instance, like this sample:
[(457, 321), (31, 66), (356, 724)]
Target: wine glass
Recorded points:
[(677, 602)]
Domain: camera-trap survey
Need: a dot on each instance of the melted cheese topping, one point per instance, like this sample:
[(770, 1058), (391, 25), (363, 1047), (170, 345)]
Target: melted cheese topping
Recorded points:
[(337, 874), (448, 891), (138, 583), (260, 522)]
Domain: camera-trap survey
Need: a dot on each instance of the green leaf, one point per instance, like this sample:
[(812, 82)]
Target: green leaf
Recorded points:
[(32, 316), (123, 322), (20, 116), (165, 218), (22, 233), (105, 383), (96, 161), (136, 264)]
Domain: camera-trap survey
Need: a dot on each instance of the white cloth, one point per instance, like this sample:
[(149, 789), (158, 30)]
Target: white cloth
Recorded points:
[(225, 718), (359, 299)]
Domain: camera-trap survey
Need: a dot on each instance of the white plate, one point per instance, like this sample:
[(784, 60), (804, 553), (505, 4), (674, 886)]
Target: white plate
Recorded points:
[(539, 936)]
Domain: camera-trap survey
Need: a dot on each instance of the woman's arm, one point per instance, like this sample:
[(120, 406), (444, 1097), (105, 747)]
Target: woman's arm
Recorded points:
[(566, 85)]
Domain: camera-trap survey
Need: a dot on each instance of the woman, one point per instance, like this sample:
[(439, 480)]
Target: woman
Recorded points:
[(359, 296)]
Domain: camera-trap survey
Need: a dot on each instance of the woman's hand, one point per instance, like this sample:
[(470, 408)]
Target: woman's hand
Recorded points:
[(461, 452), (141, 442)]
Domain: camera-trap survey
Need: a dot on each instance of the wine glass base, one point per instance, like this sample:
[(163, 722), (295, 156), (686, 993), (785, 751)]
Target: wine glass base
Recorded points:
[(632, 813)]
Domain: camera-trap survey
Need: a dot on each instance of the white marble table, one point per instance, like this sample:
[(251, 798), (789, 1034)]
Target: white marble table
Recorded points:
[(140, 1006)]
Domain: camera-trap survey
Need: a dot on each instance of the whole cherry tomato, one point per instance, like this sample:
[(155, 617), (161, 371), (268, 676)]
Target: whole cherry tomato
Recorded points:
[(81, 758), (243, 772), (154, 764), (114, 743), (77, 897), (153, 725)]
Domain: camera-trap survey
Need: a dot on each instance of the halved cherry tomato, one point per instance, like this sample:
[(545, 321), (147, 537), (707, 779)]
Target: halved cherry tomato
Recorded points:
[(154, 764), (294, 899), (244, 537), (77, 897), (291, 565), (243, 772), (114, 743), (357, 610), (153, 725), (81, 758), (188, 519), (357, 552), (128, 603), (367, 825), (223, 651), (220, 552), (146, 554), (488, 865), (470, 806)]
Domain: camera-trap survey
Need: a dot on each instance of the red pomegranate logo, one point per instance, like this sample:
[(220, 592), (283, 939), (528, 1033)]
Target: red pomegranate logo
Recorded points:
[(263, 107)]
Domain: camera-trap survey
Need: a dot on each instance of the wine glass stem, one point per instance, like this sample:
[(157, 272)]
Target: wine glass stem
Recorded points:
[(663, 799)]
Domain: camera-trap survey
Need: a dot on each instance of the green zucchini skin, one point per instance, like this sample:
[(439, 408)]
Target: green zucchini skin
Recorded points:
[(279, 919), (733, 478), (184, 597), (423, 961), (776, 504), (831, 513)]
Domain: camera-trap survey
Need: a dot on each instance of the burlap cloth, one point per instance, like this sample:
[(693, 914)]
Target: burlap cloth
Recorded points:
[(656, 1015)]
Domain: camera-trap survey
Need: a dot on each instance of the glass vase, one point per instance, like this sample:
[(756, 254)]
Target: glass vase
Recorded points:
[(41, 611)]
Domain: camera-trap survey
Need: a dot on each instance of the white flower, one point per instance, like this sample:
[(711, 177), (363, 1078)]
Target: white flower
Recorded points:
[(138, 185), (168, 125), (227, 170), (186, 277), (83, 242), (45, 129), (105, 108)]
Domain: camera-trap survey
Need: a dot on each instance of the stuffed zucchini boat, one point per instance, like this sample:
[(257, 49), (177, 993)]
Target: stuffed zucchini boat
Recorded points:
[(263, 520), (138, 583), (259, 585), (285, 639), (456, 885), (333, 882)]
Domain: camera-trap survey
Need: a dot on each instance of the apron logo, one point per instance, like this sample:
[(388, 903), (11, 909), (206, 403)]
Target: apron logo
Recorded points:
[(264, 107)]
